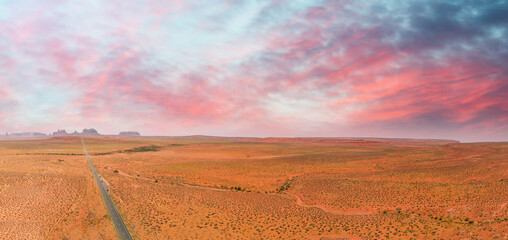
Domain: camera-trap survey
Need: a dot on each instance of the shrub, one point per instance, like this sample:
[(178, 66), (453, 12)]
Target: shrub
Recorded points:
[(151, 148)]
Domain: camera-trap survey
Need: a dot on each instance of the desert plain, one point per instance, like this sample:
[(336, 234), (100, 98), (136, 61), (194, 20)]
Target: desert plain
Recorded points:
[(255, 188)]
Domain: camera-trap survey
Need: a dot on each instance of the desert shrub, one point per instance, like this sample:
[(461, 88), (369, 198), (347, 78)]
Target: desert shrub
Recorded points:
[(151, 148), (103, 153), (285, 186), (237, 188)]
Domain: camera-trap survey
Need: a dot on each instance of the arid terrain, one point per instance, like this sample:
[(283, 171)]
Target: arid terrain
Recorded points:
[(47, 192), (245, 188)]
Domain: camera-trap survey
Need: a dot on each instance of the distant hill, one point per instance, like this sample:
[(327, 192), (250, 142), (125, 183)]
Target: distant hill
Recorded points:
[(129, 134), (309, 140), (355, 141), (24, 134), (325, 140)]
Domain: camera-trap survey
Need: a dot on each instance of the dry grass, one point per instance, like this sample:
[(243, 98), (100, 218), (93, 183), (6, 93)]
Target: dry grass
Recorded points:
[(45, 196), (228, 189), (206, 188)]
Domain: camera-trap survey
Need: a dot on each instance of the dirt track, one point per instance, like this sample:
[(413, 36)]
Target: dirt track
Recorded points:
[(300, 202)]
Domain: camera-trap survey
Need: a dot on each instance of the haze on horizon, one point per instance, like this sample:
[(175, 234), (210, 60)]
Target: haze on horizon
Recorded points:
[(419, 69)]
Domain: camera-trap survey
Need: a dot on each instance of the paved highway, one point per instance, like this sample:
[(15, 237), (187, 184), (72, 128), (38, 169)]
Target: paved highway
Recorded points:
[(120, 227)]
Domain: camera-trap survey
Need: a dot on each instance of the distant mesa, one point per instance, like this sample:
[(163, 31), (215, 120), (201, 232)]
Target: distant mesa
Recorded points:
[(25, 134), (62, 132), (129, 134), (90, 131), (86, 132)]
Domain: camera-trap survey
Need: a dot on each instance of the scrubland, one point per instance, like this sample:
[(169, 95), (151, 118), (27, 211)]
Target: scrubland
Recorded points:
[(220, 188), (296, 190), (48, 196)]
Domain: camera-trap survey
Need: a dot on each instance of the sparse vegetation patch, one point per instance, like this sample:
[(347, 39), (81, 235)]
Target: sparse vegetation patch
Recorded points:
[(150, 148)]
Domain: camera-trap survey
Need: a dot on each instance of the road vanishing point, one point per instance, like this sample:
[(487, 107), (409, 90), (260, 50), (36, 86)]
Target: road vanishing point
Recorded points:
[(120, 227)]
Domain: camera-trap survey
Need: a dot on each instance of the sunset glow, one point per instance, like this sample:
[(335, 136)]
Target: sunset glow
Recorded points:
[(419, 69)]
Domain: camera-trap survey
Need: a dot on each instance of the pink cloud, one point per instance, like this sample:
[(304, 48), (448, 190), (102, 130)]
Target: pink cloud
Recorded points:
[(319, 57), (455, 93)]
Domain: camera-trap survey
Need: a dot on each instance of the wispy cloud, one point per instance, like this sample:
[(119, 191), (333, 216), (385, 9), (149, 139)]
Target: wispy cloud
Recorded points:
[(257, 68)]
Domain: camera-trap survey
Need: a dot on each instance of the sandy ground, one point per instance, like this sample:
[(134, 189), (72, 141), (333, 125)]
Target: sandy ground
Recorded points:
[(256, 189), (225, 190), (49, 197)]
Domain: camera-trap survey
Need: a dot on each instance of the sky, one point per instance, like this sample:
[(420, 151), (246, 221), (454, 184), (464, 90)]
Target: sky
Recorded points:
[(310, 68)]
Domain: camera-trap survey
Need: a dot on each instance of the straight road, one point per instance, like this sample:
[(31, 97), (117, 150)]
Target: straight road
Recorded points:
[(120, 227)]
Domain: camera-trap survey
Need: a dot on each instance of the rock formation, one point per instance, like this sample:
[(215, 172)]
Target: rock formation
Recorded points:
[(90, 132), (60, 133), (86, 132), (129, 134)]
